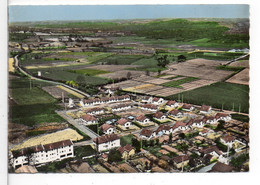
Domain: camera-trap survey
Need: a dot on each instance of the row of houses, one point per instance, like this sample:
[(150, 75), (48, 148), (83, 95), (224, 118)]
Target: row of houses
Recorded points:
[(97, 101), (181, 126), (41, 154)]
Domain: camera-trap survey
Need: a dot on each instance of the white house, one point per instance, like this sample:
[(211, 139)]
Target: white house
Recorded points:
[(157, 101), (159, 116), (106, 142), (187, 107), (205, 109), (107, 129), (163, 129), (149, 107), (223, 116), (228, 140), (121, 107), (41, 154), (196, 123), (209, 120), (88, 119), (147, 134), (142, 119), (172, 104), (95, 111), (124, 123), (178, 126), (175, 113), (212, 150)]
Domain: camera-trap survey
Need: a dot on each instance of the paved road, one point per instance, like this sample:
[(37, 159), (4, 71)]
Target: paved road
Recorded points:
[(43, 80), (82, 128)]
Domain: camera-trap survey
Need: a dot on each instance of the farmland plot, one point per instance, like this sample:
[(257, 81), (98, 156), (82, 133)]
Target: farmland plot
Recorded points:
[(200, 68)]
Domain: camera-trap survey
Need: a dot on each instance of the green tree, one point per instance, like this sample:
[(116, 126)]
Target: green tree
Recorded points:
[(162, 61), (181, 58), (114, 156), (170, 137), (128, 75), (136, 144)]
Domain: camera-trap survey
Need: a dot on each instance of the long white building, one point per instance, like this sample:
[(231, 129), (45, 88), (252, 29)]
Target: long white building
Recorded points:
[(41, 154)]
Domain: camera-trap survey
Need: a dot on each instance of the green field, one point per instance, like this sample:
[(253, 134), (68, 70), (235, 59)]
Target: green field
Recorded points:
[(58, 74), (34, 106), (177, 83), (147, 64), (92, 57), (220, 94), (171, 32), (35, 95), (121, 59), (89, 72)]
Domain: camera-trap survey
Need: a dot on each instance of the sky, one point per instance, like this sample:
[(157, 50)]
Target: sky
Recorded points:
[(27, 13)]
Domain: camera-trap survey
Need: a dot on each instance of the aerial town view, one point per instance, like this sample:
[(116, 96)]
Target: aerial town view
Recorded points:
[(128, 95)]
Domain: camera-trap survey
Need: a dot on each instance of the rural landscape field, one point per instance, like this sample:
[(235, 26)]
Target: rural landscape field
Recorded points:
[(129, 96)]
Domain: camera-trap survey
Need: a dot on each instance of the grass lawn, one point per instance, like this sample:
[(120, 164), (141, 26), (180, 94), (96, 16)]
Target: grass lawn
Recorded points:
[(177, 83), (126, 139), (218, 94), (90, 72), (34, 114), (83, 151), (35, 95)]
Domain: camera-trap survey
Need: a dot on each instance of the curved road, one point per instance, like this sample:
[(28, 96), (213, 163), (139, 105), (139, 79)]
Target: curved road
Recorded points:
[(16, 64)]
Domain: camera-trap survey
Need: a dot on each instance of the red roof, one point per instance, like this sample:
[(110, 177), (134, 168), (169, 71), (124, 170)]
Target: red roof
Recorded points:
[(171, 102), (94, 110), (174, 112), (163, 127), (221, 115), (122, 121), (106, 138), (146, 132), (228, 138), (205, 108), (158, 115), (126, 148), (105, 127), (180, 159), (57, 145), (186, 106), (89, 117), (149, 106), (211, 149), (141, 118), (178, 124)]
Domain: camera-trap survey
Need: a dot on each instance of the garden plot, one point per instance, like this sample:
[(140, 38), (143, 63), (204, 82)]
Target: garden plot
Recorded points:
[(158, 81), (139, 88), (241, 78), (200, 68), (125, 84), (122, 74), (55, 91), (144, 78), (196, 84), (111, 68), (166, 91)]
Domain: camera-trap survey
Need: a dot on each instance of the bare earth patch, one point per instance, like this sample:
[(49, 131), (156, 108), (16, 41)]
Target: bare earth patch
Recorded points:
[(241, 78)]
